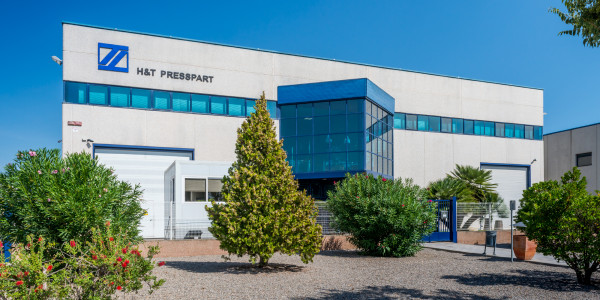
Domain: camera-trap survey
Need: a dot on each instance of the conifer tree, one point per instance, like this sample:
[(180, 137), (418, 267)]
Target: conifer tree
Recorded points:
[(263, 210)]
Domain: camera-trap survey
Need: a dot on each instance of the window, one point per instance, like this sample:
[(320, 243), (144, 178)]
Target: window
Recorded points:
[(446, 125), (98, 94), (337, 107), (411, 122), (288, 111), (322, 162), (250, 107), (434, 124), (75, 92), (161, 100), (338, 123), (305, 144), (400, 121), (488, 128), (141, 98), (304, 110), (214, 189), (289, 146), (181, 102), (305, 126), (119, 96), (457, 126), (217, 105), (288, 127), (200, 103), (519, 131), (584, 159), (236, 107), (272, 108), (509, 130), (478, 127), (355, 106), (423, 123), (538, 133), (195, 190), (469, 128), (529, 132), (500, 129), (354, 123), (321, 109)]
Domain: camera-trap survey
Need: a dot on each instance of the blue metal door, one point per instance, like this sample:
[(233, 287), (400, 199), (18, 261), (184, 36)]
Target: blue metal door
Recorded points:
[(445, 225)]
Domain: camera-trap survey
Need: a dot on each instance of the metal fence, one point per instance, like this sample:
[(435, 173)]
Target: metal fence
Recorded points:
[(482, 216), (324, 219)]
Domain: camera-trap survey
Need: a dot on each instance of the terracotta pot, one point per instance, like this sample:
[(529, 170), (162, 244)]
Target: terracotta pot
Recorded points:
[(523, 247)]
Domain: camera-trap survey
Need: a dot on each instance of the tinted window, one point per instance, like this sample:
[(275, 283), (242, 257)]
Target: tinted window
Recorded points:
[(446, 125), (468, 126), (423, 123), (519, 131), (217, 105), (411, 122), (236, 107), (457, 125), (529, 132), (434, 124), (200, 103), (509, 130), (584, 159), (119, 96), (98, 94), (195, 190), (181, 102), (538, 133), (140, 98), (75, 92), (250, 109), (500, 129), (478, 127)]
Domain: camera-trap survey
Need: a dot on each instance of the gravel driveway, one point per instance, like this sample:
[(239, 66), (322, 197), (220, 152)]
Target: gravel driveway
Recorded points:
[(347, 275)]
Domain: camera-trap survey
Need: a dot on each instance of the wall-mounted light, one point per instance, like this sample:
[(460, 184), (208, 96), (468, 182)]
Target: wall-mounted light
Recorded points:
[(534, 160), (87, 140), (57, 60)]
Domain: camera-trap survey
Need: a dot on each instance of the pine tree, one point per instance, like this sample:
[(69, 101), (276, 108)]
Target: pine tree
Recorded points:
[(264, 212)]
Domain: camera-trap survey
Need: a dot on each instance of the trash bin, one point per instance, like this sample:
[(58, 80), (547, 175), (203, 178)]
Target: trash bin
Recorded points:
[(490, 240)]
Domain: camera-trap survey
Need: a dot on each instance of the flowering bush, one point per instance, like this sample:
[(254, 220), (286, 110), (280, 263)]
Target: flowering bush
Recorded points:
[(96, 269), (384, 217), (61, 199)]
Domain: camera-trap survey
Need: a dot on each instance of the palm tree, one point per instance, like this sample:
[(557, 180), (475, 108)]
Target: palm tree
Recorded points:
[(476, 180), (446, 188)]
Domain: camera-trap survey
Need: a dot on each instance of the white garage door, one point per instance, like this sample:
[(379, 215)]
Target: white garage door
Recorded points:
[(511, 181), (144, 167)]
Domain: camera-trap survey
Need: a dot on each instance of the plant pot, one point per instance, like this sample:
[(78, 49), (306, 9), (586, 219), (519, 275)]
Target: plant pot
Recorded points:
[(524, 248)]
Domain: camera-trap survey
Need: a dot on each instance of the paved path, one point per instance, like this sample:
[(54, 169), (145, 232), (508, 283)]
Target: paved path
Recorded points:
[(501, 251)]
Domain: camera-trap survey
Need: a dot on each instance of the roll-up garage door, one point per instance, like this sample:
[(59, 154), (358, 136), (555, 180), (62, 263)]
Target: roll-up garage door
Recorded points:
[(511, 181), (145, 167)]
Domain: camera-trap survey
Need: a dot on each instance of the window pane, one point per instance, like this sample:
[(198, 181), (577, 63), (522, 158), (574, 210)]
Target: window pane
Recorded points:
[(305, 110), (75, 92), (379, 164), (390, 168), (529, 132), (322, 162), (411, 122), (288, 127), (200, 103), (538, 133), (304, 164), (161, 100), (354, 122), (434, 124), (509, 130), (195, 190), (98, 94), (479, 127), (338, 107), (140, 98), (355, 160), (305, 145), (321, 108), (519, 131), (355, 106), (338, 161), (489, 128), (305, 126), (289, 146), (338, 123), (423, 123), (214, 189), (119, 96), (468, 126), (250, 107), (322, 143), (385, 166), (181, 102), (321, 125), (500, 129), (217, 105), (272, 108), (235, 106), (399, 121), (390, 153), (379, 147), (338, 142), (446, 125), (368, 161), (355, 141), (584, 159), (457, 125)]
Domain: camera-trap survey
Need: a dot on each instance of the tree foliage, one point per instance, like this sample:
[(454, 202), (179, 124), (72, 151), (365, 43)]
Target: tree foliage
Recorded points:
[(383, 217), (584, 16), (477, 181), (62, 199), (564, 220), (263, 211), (446, 188)]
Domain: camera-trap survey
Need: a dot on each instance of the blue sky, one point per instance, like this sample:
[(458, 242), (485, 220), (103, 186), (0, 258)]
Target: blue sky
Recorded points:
[(511, 42)]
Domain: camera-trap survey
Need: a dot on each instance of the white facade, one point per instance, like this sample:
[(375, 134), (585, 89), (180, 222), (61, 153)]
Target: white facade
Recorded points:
[(246, 73)]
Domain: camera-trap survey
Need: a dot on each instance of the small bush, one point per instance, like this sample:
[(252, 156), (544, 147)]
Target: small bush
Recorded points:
[(564, 220), (384, 217), (98, 269), (62, 199)]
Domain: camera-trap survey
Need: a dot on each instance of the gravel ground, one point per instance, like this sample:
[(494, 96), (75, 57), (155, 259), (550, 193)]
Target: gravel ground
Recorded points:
[(347, 275)]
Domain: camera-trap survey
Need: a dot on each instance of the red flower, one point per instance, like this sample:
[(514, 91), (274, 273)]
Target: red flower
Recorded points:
[(127, 261), (94, 257), (111, 239), (402, 205), (111, 283), (40, 239), (162, 263), (72, 243), (19, 282), (28, 245), (124, 250), (383, 179), (49, 268), (119, 259), (124, 265), (119, 288), (1, 245), (107, 223), (26, 273)]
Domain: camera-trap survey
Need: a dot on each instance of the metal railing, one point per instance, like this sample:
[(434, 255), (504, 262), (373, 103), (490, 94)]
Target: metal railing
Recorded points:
[(482, 216), (324, 219)]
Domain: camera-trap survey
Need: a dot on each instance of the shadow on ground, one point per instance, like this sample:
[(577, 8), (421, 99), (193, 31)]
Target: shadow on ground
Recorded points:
[(545, 280), (390, 292), (231, 267)]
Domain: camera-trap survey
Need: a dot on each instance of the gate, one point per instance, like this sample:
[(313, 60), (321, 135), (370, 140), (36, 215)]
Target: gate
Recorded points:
[(445, 225)]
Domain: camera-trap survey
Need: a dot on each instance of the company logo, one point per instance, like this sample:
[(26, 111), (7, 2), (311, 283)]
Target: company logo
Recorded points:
[(113, 57)]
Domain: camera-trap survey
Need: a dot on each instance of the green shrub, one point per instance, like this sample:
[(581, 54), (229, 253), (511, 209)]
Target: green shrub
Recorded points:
[(564, 220), (98, 269), (263, 211), (62, 199), (384, 217)]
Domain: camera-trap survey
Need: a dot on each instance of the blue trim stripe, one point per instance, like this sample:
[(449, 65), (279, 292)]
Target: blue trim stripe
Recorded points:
[(290, 54), (135, 147)]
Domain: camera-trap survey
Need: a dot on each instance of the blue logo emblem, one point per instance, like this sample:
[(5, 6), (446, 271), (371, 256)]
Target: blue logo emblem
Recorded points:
[(110, 57)]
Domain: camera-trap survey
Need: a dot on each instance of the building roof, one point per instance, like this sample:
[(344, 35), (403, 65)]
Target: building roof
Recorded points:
[(298, 55), (575, 128)]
